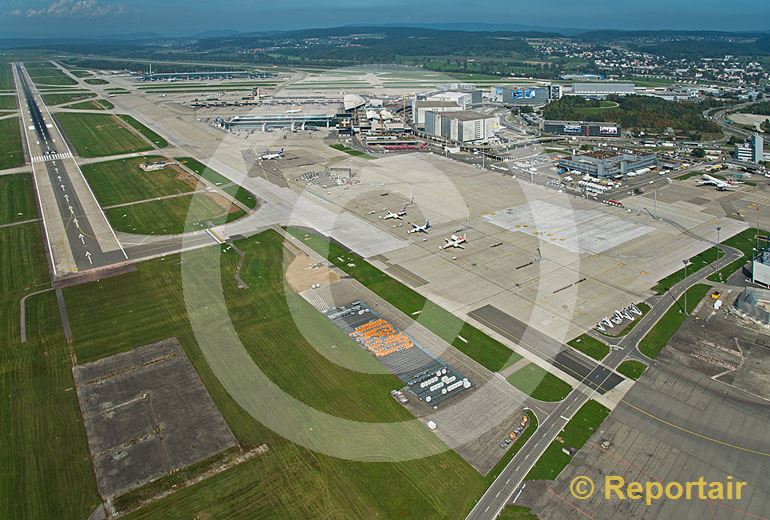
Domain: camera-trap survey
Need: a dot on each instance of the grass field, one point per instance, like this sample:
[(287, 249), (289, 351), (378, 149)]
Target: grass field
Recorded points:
[(477, 345), (17, 198), (99, 135), (695, 264), (60, 99), (289, 481), (632, 369), (575, 434), (170, 216), (93, 104), (45, 73), (689, 175), (239, 193), (629, 326), (516, 513), (745, 241), (8, 103), (6, 76), (46, 470), (146, 132), (351, 151), (96, 81), (590, 346), (81, 73), (657, 338), (123, 180), (541, 385), (11, 153)]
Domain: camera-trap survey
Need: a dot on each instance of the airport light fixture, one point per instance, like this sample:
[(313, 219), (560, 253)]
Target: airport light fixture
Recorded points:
[(685, 287)]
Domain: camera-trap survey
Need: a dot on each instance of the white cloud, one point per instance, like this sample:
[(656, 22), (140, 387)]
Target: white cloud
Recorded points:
[(74, 8)]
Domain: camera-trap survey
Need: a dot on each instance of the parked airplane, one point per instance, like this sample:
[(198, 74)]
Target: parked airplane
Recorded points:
[(420, 229), (395, 215), (270, 156), (721, 185), (454, 241), (294, 111)]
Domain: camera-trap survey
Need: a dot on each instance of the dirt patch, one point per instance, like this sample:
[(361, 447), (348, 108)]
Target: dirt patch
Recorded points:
[(224, 203), (303, 272), (147, 414)]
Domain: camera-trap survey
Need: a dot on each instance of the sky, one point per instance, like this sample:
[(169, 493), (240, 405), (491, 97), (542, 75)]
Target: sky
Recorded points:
[(185, 17)]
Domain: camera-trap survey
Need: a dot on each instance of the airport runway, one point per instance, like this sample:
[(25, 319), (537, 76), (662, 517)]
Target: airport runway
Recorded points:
[(507, 483), (77, 232)]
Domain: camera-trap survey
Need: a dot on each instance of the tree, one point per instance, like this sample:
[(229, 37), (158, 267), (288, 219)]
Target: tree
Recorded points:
[(699, 153)]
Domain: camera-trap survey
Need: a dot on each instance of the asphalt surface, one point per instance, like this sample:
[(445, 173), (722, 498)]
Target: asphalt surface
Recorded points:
[(509, 480)]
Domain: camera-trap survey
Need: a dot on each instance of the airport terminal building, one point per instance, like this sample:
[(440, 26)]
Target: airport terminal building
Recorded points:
[(606, 165)]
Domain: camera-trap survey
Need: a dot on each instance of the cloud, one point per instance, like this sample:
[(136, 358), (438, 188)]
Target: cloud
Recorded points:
[(74, 8)]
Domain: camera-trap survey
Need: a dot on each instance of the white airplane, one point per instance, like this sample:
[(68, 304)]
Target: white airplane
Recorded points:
[(395, 215), (454, 241), (294, 111), (420, 229), (270, 156), (720, 185)]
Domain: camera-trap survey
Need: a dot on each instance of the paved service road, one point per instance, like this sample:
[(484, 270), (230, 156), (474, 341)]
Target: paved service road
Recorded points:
[(506, 484), (77, 232)]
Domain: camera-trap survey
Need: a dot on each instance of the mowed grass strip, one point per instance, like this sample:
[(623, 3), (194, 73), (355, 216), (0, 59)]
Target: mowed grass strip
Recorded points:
[(745, 241), (44, 460), (96, 81), (539, 384), (123, 180), (60, 99), (351, 151), (119, 313), (632, 369), (11, 152), (659, 336), (93, 104), (99, 135), (46, 466), (516, 513), (590, 346), (8, 102), (465, 337), (239, 193), (574, 435), (47, 74), (172, 216), (694, 265), (17, 198), (6, 77), (146, 132)]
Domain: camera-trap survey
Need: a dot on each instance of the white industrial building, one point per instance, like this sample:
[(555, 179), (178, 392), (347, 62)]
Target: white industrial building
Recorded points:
[(461, 99), (421, 106), (463, 126)]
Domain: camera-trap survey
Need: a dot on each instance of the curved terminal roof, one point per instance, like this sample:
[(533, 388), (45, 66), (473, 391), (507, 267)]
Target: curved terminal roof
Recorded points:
[(353, 101)]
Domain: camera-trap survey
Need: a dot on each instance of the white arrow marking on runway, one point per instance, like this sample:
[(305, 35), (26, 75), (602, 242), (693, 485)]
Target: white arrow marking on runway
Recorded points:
[(88, 255), (66, 197), (72, 210), (62, 187), (77, 224), (82, 238)]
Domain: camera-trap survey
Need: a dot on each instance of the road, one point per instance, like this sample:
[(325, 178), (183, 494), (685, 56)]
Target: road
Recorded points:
[(507, 483), (78, 235)]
